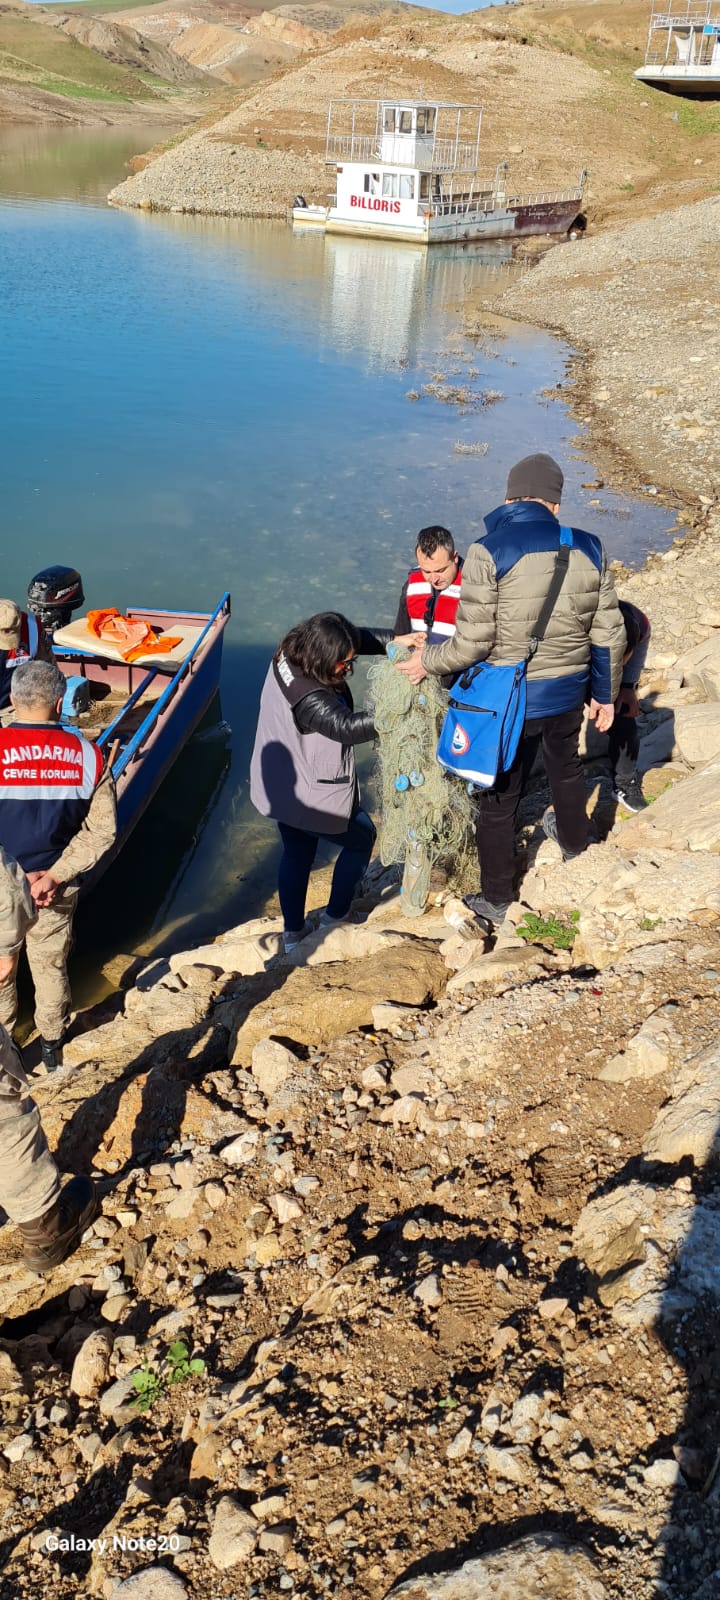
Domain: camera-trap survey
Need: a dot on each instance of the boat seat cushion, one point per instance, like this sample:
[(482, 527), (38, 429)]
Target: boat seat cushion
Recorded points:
[(77, 636)]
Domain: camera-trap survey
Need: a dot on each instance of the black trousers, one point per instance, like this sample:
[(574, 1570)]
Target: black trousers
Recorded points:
[(497, 810), (624, 748)]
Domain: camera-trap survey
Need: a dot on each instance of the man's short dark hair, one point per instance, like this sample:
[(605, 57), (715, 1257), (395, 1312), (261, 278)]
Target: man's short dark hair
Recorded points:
[(430, 540)]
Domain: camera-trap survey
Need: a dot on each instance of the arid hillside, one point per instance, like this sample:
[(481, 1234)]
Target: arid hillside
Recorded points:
[(555, 82)]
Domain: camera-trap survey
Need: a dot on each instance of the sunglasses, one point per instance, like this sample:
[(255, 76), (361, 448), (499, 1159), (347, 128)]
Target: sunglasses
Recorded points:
[(345, 667)]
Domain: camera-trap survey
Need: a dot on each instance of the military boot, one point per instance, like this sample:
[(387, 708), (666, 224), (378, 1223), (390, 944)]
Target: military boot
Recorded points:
[(54, 1236), (51, 1053)]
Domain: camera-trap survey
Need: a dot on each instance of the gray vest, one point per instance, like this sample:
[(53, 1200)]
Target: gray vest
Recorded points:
[(302, 779)]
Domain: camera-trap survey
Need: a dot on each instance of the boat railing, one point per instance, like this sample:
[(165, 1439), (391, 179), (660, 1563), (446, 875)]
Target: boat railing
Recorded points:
[(447, 155), (160, 705), (483, 207), (690, 15), (462, 208), (548, 198)]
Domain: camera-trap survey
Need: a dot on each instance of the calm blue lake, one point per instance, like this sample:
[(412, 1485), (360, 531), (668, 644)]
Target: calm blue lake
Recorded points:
[(197, 405)]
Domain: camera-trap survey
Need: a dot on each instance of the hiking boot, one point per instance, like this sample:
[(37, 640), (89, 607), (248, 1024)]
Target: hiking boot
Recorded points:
[(485, 911), (55, 1235), (549, 828), (51, 1054), (630, 795)]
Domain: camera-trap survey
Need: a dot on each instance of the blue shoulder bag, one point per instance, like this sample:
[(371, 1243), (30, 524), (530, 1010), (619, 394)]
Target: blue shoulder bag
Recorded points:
[(486, 709)]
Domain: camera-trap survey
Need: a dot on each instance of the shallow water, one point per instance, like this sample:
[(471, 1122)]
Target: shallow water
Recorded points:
[(192, 405)]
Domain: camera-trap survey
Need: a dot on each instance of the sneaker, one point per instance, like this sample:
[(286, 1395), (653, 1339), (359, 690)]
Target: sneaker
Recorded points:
[(485, 911), (326, 921), (549, 828), (291, 939), (55, 1235), (630, 795)]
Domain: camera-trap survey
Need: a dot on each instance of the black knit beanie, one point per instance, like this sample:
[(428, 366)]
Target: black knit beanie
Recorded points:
[(535, 478)]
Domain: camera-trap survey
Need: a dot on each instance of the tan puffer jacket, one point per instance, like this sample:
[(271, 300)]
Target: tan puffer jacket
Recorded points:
[(506, 577)]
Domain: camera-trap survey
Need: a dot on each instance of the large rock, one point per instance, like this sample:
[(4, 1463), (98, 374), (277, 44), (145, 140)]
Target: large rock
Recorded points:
[(120, 1100), (629, 879), (234, 1534), (91, 1366), (315, 1006), (542, 1567), (689, 1125), (272, 1065), (697, 734), (630, 1239), (502, 969), (349, 942), (242, 953), (646, 1053), (686, 817), (151, 1583), (700, 667)]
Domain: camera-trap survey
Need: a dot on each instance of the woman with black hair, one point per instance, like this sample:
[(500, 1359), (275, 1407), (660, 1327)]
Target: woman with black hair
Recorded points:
[(302, 771)]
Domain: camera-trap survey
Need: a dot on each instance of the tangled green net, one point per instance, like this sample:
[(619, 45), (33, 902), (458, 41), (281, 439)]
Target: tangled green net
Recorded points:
[(425, 815)]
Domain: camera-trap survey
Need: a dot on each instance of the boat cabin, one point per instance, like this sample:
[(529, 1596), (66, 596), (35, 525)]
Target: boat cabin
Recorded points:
[(398, 159)]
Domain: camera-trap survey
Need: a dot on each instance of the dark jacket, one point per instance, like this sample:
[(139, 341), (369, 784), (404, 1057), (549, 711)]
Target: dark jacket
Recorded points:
[(302, 770), (506, 577)]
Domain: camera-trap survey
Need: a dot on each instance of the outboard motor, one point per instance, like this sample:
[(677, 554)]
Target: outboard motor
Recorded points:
[(300, 203), (53, 595)]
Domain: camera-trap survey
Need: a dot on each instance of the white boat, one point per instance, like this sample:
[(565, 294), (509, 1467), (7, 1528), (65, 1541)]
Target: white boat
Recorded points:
[(408, 170), (683, 49)]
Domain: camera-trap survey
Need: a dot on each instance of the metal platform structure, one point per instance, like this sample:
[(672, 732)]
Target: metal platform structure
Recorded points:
[(683, 49), (435, 137)]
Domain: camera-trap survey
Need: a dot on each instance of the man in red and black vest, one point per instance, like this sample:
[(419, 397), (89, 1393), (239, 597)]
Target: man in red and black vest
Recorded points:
[(21, 639), (430, 595), (57, 819)]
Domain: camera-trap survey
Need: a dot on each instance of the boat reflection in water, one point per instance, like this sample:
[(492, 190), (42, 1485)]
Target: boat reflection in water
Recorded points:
[(382, 301)]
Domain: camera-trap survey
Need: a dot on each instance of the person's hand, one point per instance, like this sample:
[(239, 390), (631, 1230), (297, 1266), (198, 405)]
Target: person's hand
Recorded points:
[(602, 715), (7, 966), (413, 669), (43, 887), (412, 641), (627, 703)]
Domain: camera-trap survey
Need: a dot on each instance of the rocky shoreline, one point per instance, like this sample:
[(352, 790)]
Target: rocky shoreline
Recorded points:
[(438, 1220)]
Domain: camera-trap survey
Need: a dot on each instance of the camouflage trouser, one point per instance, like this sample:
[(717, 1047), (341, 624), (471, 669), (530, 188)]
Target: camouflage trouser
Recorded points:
[(47, 945), (29, 1180)]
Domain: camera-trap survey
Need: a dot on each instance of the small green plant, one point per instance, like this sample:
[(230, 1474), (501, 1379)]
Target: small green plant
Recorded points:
[(151, 1384), (648, 923), (448, 1404), (179, 1364), (558, 930)]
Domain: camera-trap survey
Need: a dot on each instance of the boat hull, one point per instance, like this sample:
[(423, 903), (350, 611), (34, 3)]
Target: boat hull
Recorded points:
[(502, 222), (697, 83)]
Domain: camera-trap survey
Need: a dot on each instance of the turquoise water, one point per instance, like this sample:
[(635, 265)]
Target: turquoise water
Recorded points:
[(192, 405)]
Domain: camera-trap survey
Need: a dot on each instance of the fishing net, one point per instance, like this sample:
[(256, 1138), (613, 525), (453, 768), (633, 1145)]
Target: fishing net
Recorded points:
[(425, 816)]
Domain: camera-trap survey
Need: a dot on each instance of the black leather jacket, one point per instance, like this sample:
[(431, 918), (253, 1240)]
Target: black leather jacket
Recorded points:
[(330, 711)]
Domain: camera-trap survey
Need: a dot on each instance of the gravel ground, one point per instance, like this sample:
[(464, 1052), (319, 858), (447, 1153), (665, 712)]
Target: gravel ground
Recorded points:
[(640, 305)]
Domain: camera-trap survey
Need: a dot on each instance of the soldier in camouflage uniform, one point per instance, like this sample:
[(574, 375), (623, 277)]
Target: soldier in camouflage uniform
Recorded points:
[(51, 1219)]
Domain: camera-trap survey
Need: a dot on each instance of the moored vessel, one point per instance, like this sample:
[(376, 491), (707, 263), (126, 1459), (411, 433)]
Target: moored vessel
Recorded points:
[(409, 170)]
